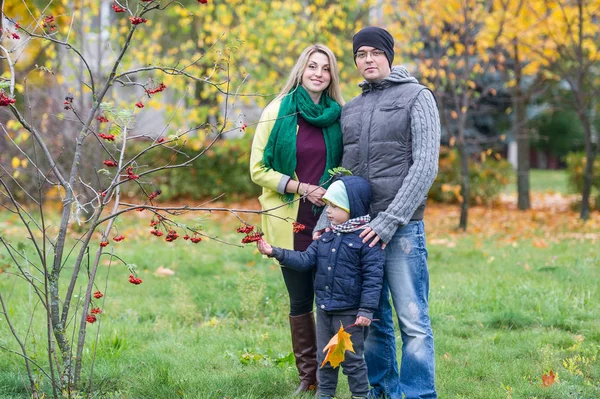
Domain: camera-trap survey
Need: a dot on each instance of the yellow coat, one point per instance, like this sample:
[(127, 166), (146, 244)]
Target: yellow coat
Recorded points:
[(278, 232)]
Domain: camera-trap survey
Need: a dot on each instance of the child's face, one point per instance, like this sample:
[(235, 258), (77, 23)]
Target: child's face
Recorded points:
[(337, 215)]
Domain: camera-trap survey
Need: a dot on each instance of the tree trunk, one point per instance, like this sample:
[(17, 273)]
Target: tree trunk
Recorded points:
[(464, 183), (523, 146), (588, 176)]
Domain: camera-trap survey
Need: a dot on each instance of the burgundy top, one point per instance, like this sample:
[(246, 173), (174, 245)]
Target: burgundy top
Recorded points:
[(311, 156)]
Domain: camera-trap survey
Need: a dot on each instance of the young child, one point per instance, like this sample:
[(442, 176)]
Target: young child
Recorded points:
[(348, 280)]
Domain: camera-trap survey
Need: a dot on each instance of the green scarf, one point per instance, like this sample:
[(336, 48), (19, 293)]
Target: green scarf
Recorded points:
[(280, 152)]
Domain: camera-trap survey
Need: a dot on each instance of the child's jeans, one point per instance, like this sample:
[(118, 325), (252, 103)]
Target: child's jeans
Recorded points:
[(354, 365)]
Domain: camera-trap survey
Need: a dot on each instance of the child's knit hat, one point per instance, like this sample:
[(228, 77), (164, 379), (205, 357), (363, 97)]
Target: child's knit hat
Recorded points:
[(336, 195)]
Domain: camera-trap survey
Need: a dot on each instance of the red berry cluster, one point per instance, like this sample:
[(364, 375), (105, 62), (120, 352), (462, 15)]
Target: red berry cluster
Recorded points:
[(49, 23), (118, 8), (107, 137), (252, 237), (130, 173), (98, 295), (160, 140), (134, 280), (5, 100), (245, 229), (298, 227), (102, 118), (103, 243), (157, 233), (203, 1), (196, 239), (68, 102), (90, 318), (244, 126), (95, 311), (110, 163), (157, 89), (15, 35), (119, 238), (171, 236), (139, 104), (137, 20)]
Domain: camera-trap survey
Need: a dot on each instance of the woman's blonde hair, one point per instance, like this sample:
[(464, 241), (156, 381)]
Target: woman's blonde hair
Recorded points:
[(295, 79)]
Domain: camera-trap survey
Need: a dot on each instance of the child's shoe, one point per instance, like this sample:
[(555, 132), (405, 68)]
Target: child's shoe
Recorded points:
[(324, 396)]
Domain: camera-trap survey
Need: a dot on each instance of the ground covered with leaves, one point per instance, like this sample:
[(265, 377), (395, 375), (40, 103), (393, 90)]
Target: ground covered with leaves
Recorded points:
[(515, 307)]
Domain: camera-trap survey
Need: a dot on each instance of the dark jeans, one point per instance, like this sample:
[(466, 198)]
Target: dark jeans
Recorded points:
[(354, 365)]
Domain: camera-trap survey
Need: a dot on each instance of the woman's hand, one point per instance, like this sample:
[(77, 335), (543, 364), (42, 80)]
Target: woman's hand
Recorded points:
[(264, 247), (362, 321), (315, 194)]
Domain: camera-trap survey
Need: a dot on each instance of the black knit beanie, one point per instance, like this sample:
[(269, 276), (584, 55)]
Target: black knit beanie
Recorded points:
[(374, 37)]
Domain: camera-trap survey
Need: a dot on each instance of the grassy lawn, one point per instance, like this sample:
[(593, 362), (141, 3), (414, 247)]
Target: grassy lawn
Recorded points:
[(513, 298), (548, 181)]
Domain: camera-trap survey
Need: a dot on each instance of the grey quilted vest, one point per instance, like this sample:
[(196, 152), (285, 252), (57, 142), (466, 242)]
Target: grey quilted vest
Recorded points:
[(376, 128)]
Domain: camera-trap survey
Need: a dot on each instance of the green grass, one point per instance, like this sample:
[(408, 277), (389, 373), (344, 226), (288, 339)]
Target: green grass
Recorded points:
[(503, 314), (551, 181)]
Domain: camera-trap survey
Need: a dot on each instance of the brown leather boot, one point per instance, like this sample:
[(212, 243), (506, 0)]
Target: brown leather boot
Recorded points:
[(304, 343)]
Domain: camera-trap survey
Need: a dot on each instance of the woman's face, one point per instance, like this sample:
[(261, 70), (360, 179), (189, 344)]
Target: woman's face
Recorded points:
[(317, 75)]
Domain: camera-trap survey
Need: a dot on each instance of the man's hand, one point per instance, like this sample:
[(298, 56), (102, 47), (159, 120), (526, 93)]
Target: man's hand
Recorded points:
[(362, 321), (369, 233), (264, 247)]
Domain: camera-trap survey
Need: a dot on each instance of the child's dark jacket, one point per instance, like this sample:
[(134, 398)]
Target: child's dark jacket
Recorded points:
[(349, 273)]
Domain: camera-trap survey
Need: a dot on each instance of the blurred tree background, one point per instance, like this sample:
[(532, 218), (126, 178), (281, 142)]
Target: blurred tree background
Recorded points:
[(515, 81)]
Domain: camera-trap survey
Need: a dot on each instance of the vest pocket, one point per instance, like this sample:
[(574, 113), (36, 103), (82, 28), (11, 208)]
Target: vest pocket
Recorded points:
[(391, 108)]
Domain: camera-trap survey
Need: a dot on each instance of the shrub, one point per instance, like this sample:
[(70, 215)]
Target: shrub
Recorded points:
[(224, 170), (488, 176), (576, 163)]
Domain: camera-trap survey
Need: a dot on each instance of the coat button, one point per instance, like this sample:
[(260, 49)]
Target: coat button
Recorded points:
[(350, 244), (329, 268), (322, 306), (332, 249), (327, 287)]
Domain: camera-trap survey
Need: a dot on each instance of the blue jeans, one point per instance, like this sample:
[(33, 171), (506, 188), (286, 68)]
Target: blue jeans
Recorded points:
[(406, 278)]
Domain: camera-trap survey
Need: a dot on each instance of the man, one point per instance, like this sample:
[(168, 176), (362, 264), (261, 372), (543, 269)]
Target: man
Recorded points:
[(391, 136)]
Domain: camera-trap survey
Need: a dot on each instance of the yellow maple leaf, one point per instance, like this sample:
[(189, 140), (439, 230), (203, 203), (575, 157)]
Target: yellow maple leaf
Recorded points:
[(337, 347)]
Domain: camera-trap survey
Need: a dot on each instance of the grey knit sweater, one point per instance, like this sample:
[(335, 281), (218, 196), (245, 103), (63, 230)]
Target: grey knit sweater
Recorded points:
[(368, 115)]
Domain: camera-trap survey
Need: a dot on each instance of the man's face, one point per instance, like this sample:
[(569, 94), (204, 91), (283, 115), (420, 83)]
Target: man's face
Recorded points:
[(372, 63)]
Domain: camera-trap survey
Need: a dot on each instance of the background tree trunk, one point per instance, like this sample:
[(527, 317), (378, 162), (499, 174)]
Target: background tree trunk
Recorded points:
[(464, 185), (523, 145)]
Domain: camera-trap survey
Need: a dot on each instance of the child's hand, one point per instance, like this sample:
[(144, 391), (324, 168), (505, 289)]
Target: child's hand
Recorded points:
[(362, 321), (264, 247)]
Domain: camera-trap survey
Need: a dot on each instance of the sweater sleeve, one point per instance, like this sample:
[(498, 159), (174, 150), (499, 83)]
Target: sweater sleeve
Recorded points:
[(269, 179), (323, 221), (425, 133)]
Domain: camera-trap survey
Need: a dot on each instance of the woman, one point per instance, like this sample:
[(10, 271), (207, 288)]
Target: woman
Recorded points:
[(297, 140)]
